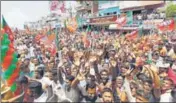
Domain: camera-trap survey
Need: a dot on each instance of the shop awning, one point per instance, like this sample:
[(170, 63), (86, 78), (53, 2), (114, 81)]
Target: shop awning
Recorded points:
[(115, 27), (110, 10)]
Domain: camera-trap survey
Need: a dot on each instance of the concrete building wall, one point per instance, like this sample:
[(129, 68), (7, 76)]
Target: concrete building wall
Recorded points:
[(131, 4)]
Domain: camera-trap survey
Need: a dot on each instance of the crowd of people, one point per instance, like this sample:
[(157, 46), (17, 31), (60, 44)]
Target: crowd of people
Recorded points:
[(109, 68)]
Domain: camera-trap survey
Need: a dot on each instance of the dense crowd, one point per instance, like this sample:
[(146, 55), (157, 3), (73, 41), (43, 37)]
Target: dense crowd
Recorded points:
[(108, 68)]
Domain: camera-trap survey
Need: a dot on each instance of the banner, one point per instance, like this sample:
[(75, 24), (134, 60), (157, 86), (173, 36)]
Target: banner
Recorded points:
[(72, 24), (57, 7), (166, 25), (121, 21), (132, 35)]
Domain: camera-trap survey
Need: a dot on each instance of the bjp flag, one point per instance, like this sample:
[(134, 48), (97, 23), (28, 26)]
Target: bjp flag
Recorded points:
[(132, 35), (171, 25), (7, 29)]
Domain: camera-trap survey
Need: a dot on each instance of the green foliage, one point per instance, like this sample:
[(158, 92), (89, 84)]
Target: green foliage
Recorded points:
[(171, 10)]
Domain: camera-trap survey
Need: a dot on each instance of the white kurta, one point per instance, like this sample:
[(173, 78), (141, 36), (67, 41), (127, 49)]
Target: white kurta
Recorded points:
[(166, 97), (42, 98)]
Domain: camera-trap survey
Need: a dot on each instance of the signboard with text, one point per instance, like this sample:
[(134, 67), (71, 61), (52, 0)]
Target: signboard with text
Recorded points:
[(103, 19)]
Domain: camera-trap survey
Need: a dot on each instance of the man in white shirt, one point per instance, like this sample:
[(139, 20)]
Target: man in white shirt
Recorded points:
[(31, 51), (167, 88)]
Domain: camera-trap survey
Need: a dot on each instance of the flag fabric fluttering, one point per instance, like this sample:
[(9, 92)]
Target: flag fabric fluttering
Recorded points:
[(72, 25), (85, 39), (121, 21), (171, 25), (57, 6), (132, 35), (54, 5), (7, 29), (9, 61), (167, 25), (62, 8), (172, 75)]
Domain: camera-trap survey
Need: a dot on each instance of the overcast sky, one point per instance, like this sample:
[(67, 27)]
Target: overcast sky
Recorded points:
[(18, 12)]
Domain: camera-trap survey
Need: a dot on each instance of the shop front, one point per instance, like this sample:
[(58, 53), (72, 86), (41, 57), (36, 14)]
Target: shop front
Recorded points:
[(102, 22)]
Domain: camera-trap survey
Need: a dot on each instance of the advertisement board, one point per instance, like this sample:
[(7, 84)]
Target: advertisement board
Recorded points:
[(112, 18), (107, 4)]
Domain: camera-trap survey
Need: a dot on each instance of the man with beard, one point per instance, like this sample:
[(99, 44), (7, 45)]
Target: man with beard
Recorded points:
[(107, 96), (120, 89), (104, 82), (71, 90), (91, 93)]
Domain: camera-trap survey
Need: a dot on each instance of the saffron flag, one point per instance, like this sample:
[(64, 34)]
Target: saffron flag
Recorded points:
[(85, 39), (132, 35), (121, 21), (166, 25), (172, 75), (72, 25), (171, 25)]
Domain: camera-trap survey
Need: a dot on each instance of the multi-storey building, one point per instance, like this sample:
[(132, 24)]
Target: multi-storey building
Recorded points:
[(105, 13), (83, 12)]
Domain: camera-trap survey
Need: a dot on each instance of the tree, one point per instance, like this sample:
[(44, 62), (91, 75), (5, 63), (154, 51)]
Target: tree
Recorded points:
[(171, 10)]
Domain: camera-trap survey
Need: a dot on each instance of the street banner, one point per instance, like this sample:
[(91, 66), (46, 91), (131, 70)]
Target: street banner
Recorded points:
[(57, 6)]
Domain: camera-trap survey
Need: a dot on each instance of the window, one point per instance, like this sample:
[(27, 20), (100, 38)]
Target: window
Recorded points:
[(114, 12), (108, 13)]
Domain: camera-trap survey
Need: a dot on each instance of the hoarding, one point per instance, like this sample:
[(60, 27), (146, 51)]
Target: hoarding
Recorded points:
[(103, 19)]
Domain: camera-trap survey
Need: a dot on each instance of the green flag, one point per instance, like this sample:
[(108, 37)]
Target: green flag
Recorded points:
[(88, 29), (57, 38)]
